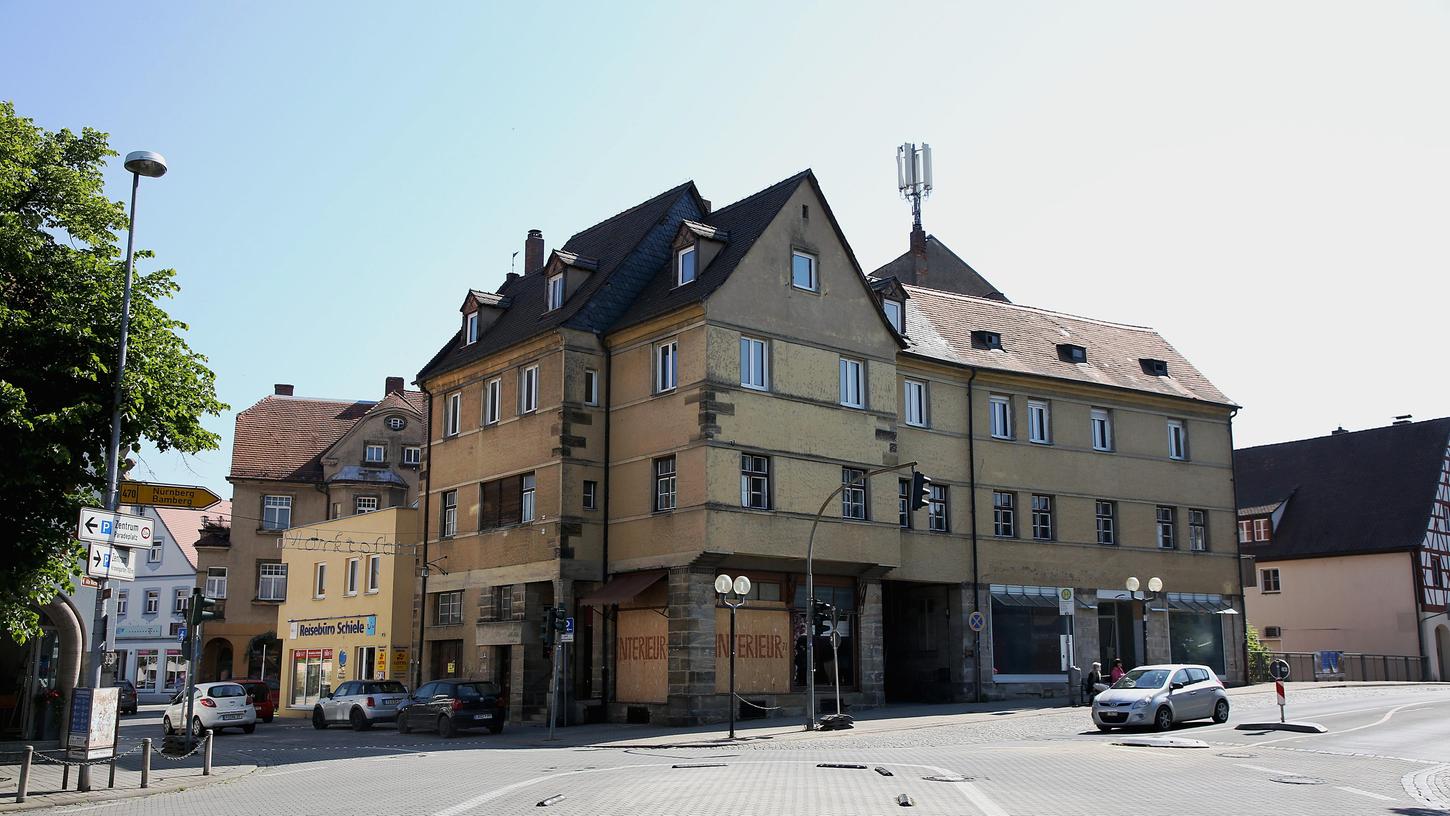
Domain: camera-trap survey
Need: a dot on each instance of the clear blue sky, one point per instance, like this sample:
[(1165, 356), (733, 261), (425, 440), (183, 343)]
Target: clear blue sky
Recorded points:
[(1265, 183)]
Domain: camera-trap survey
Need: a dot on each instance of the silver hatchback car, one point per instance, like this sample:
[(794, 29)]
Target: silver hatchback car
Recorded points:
[(1159, 696), (360, 703)]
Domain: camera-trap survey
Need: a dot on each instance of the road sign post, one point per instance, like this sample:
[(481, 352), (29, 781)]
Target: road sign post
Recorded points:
[(105, 561), (114, 529), (151, 494), (1279, 691)]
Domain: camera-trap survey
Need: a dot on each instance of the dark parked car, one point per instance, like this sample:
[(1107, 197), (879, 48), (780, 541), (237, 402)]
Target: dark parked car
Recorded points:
[(127, 705), (452, 705), (263, 698)]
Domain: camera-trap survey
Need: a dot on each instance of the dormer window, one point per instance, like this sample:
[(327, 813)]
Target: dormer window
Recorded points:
[(470, 329), (556, 291), (895, 313), (1070, 353), (685, 261), (987, 340), (1157, 368)]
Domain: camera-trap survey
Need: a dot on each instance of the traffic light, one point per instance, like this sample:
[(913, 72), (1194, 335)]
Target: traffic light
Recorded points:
[(200, 609), (550, 613), (561, 619), (820, 616), (920, 490)]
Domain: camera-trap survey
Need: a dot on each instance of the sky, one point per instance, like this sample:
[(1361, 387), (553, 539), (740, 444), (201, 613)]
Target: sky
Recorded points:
[(1265, 183)]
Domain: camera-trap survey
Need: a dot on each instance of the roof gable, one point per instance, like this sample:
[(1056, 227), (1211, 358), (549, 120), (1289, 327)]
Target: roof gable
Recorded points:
[(946, 271)]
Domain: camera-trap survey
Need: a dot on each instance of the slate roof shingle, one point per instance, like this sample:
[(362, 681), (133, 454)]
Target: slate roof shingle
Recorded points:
[(939, 325), (1351, 493)]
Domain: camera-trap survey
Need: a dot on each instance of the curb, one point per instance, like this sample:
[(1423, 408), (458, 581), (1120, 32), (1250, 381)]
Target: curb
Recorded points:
[(35, 801)]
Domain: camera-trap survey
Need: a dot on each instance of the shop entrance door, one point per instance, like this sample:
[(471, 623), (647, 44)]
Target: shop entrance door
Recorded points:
[(1115, 635), (504, 671)]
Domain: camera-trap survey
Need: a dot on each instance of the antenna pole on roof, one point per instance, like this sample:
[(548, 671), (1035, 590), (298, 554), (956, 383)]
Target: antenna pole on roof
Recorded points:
[(913, 176), (513, 258)]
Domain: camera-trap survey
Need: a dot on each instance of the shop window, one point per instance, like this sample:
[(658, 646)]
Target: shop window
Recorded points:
[(843, 598), (1025, 634), (1195, 637)]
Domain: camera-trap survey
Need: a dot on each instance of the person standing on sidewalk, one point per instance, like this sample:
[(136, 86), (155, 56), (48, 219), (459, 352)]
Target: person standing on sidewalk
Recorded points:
[(1093, 683), (1117, 673)]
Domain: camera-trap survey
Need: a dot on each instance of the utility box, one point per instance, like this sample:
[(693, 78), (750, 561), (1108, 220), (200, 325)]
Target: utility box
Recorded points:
[(92, 733)]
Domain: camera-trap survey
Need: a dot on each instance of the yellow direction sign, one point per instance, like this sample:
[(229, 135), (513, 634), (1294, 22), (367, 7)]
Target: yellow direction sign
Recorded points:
[(150, 494)]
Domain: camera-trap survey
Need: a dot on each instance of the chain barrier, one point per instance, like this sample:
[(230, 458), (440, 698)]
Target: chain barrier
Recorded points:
[(40, 757), (753, 704), (201, 743)]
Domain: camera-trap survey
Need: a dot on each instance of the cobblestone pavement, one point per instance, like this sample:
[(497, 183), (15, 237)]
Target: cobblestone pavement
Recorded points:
[(1385, 754)]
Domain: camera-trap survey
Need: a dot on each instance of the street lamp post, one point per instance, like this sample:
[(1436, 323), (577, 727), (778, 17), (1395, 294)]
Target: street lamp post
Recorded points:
[(811, 589), (739, 588), (1155, 586), (151, 165)]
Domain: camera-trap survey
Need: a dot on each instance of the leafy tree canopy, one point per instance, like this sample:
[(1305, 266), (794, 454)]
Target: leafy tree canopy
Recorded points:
[(61, 279)]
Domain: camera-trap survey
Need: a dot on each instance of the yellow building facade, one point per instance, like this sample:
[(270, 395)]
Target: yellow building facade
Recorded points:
[(349, 611)]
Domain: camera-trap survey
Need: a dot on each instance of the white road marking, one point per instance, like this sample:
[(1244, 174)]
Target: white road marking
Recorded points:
[(1348, 789), (1420, 786), (1381, 721), (1264, 770)]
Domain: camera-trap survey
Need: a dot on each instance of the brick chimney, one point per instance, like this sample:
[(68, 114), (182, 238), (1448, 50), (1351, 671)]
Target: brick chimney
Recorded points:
[(392, 384), (534, 252), (918, 257), (282, 390)]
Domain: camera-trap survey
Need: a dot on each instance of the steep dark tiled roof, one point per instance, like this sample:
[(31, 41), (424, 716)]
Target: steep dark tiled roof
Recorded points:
[(284, 437), (939, 325), (1360, 492), (605, 294), (945, 271)]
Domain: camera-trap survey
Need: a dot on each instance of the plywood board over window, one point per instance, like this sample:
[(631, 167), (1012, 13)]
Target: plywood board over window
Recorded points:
[(642, 657), (762, 651)]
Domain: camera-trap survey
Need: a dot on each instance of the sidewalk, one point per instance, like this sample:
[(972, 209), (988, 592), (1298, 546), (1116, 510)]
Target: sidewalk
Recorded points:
[(45, 780)]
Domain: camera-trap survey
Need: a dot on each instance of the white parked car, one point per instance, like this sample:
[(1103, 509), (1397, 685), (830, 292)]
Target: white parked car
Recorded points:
[(215, 706), (1160, 696), (360, 703)]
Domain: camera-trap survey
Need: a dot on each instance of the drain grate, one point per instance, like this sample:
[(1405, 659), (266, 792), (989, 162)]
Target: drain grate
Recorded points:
[(1299, 780)]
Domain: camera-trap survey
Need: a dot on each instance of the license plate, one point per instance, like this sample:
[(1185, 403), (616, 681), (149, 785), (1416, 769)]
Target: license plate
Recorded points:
[(231, 716), (387, 701), (483, 716)]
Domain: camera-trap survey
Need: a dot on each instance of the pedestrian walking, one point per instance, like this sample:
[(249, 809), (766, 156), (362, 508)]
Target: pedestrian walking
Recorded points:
[(1093, 683), (1117, 672)]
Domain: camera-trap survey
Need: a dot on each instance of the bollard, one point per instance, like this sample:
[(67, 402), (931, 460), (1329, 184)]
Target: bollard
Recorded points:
[(65, 777), (115, 744), (25, 774), (206, 757), (146, 762)]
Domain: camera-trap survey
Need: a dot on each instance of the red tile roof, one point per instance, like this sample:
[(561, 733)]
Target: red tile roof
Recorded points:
[(185, 525), (284, 437)]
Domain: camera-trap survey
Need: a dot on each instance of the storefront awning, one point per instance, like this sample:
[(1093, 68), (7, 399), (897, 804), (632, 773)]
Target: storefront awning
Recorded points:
[(1200, 605), (1024, 596), (622, 588)]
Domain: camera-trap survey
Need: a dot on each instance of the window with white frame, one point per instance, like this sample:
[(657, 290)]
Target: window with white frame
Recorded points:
[(350, 577), (178, 602), (853, 385), (272, 582), (1107, 521), (685, 261), (591, 495), (154, 552), (365, 504), (491, 403), (664, 476), (375, 573), (914, 395), (591, 387), (936, 510), (1004, 514), (1246, 531), (1039, 422), (1269, 580), (412, 455), (375, 453), (452, 409), (1102, 422), (397, 423), (1001, 412), (1177, 439), (153, 601), (1167, 528), (319, 580), (448, 608), (895, 314), (803, 271), (853, 493), (526, 499), (667, 366), (529, 389), (276, 512), (755, 481), (123, 601), (1041, 517), (556, 291), (754, 364), (448, 526), (216, 583), (471, 330), (903, 503), (1198, 530), (1261, 529)]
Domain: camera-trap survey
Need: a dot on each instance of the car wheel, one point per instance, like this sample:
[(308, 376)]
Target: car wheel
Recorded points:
[(403, 726), (318, 721), (1220, 712), (445, 728), (166, 726), (198, 730), (268, 718), (495, 728), (249, 728), (1163, 720), (359, 720)]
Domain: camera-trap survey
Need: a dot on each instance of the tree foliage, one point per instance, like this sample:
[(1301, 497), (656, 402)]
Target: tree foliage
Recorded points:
[(61, 280)]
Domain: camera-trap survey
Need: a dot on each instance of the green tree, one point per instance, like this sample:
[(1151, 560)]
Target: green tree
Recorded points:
[(61, 278), (1259, 657)]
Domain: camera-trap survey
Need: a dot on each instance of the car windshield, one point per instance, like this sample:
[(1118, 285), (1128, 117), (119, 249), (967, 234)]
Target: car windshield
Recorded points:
[(475, 691), (229, 690), (1142, 678), (390, 687)]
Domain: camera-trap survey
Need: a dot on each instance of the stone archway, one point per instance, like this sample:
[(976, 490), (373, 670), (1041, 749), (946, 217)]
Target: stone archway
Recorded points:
[(1442, 648), (216, 660)]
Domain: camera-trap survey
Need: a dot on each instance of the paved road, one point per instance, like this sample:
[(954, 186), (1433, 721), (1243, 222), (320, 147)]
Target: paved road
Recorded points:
[(1388, 753)]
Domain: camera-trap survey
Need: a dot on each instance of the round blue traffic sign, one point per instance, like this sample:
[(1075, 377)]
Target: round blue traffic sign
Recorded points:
[(977, 621)]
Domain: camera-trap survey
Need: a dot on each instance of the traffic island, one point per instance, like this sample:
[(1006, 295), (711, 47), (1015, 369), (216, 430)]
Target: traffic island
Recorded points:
[(1161, 742), (1301, 727)]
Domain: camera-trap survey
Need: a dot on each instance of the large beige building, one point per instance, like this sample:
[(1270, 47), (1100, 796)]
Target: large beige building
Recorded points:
[(297, 461), (673, 393)]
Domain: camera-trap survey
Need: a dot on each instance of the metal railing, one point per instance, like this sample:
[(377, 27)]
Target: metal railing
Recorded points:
[(1353, 667)]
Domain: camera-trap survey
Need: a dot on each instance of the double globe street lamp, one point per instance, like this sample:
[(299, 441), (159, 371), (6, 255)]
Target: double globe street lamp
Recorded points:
[(1155, 586), (732, 592)]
